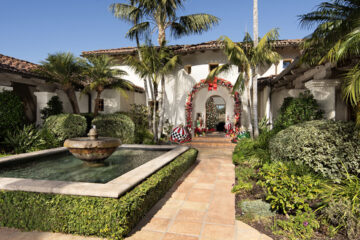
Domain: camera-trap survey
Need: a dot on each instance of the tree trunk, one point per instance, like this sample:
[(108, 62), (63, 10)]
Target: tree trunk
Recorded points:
[(145, 82), (162, 107), (97, 99), (70, 92), (255, 70), (161, 36), (250, 128), (155, 132), (255, 104)]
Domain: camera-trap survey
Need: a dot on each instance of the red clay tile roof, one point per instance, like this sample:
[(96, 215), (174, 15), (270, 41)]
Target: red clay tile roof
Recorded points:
[(188, 48), (15, 65)]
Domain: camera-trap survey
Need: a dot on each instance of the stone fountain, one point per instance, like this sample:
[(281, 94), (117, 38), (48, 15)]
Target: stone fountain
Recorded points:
[(93, 150)]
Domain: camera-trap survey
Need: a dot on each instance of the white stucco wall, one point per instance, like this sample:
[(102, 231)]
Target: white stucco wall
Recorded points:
[(180, 83), (81, 98)]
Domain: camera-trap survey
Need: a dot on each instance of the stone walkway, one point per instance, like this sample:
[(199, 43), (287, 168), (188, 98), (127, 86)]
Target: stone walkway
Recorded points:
[(199, 207)]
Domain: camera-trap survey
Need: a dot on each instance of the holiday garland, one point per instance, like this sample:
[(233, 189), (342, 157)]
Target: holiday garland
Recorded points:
[(211, 86)]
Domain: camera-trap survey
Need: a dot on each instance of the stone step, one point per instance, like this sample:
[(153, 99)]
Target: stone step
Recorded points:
[(211, 139), (211, 144)]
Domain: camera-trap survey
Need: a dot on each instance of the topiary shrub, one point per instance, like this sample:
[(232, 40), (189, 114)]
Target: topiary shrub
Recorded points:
[(115, 125), (12, 115), (297, 110), (54, 107), (64, 126), (325, 146)]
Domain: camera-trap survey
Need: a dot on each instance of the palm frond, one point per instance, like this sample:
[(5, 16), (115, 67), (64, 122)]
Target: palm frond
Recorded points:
[(217, 71), (138, 30), (129, 13), (351, 86), (239, 84), (194, 24)]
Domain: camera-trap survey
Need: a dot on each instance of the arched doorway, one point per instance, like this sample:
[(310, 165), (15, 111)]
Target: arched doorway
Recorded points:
[(215, 113), (214, 88)]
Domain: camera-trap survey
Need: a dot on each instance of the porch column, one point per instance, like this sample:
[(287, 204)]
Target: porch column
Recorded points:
[(324, 92), (42, 98)]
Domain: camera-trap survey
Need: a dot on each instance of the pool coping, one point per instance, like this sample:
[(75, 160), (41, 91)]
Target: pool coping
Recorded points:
[(112, 189)]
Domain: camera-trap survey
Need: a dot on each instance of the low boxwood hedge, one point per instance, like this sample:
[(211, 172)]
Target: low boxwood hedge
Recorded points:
[(103, 217), (64, 126), (116, 125)]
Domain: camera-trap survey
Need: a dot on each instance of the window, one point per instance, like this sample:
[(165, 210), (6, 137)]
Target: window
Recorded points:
[(101, 105), (187, 69), (213, 66), (286, 63)]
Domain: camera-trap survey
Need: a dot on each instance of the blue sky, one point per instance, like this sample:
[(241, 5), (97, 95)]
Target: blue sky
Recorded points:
[(30, 29)]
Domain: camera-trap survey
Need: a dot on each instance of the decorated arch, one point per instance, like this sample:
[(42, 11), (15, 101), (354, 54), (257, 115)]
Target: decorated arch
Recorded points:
[(212, 86)]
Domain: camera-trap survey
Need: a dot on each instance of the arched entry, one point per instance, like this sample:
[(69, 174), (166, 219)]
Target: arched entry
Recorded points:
[(215, 113), (212, 86)]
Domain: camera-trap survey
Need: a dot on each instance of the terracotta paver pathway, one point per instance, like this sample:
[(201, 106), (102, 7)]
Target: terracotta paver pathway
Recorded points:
[(200, 206)]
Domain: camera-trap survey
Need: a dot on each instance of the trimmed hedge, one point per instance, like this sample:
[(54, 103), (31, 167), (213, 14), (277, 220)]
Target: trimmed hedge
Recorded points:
[(324, 146), (116, 125), (64, 126), (103, 217)]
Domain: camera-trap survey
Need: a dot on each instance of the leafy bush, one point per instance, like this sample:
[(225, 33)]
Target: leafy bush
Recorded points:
[(64, 126), (298, 110), (324, 146), (300, 226), (256, 208), (12, 115), (89, 117), (139, 114), (286, 190), (103, 217), (47, 140), (251, 151), (22, 140), (340, 213), (115, 125), (54, 107)]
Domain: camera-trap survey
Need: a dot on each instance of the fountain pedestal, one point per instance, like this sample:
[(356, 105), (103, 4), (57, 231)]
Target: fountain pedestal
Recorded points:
[(92, 149)]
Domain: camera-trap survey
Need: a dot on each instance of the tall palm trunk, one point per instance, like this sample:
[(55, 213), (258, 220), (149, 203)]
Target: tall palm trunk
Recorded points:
[(70, 92), (255, 71), (155, 129), (161, 36), (145, 81), (250, 127), (97, 100), (162, 107)]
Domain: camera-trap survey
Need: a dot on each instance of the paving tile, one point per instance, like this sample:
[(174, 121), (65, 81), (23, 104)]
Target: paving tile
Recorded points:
[(157, 224), (200, 195), (190, 215), (204, 186), (217, 232), (199, 206), (173, 236), (185, 227), (168, 212), (220, 217), (146, 235), (246, 230)]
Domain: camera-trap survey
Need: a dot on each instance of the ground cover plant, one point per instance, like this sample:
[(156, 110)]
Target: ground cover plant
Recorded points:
[(305, 174)]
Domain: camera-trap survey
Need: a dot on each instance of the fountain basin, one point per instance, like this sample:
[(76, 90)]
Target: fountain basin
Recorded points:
[(92, 150)]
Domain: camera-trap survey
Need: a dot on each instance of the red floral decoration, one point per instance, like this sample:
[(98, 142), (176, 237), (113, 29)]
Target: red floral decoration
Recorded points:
[(212, 86)]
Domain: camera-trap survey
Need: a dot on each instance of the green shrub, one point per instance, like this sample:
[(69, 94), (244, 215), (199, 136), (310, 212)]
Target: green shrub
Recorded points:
[(12, 113), (143, 136), (340, 213), (64, 126), (250, 151), (300, 226), (89, 117), (297, 110), (324, 146), (115, 125), (103, 217), (22, 140), (256, 208), (47, 140), (54, 107), (139, 114), (287, 191)]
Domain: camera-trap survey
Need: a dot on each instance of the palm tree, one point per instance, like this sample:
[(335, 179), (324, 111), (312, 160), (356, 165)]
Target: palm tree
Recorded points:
[(336, 39), (99, 74), (156, 63), (132, 14), (162, 15), (64, 69), (247, 58)]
